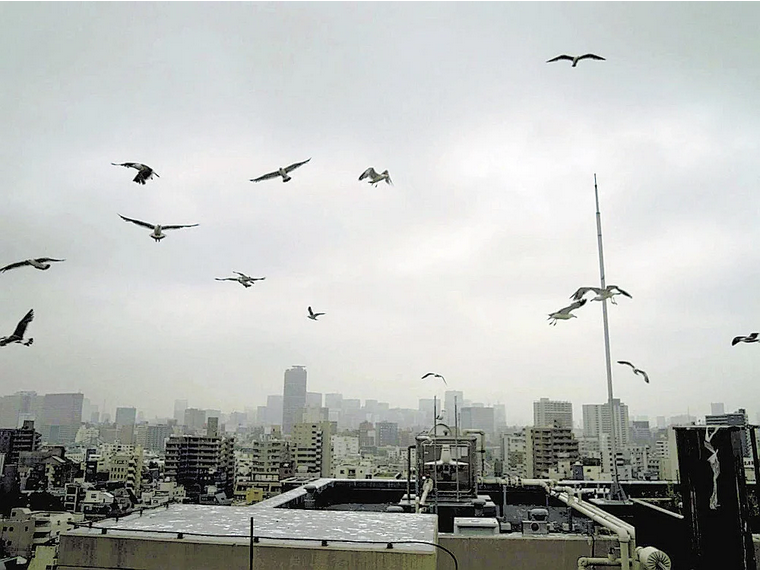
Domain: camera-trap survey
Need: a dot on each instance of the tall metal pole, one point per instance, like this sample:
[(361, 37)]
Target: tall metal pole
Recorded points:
[(457, 455), (617, 492)]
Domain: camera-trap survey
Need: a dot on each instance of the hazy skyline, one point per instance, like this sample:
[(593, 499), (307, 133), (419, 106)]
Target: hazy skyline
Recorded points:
[(489, 226)]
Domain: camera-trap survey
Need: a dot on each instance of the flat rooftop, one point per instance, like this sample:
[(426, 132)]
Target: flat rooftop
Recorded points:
[(304, 527)]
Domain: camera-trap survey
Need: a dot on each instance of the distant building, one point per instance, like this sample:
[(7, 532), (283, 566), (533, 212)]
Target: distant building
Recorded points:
[(314, 399), (198, 461), (333, 401), (477, 418), (194, 420), (125, 416), (451, 397), (596, 420), (545, 447), (294, 396), (156, 437), (14, 441), (312, 448), (737, 418), (179, 412), (386, 433), (14, 409), (548, 413), (61, 417), (717, 408)]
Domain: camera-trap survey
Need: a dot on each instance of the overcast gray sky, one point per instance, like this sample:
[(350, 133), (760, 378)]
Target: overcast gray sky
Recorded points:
[(490, 224)]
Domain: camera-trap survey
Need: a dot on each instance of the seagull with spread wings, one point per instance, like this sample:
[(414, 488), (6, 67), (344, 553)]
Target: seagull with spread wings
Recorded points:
[(601, 294), (282, 172), (374, 177), (576, 58), (157, 233), (18, 334), (635, 370), (41, 263), (565, 313), (435, 375), (312, 315), (242, 278), (753, 337), (145, 172)]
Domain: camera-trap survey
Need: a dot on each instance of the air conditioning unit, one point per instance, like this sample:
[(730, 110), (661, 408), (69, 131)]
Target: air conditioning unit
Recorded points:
[(534, 527)]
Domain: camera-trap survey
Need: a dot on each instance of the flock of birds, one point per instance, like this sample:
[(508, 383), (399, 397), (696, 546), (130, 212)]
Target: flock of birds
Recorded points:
[(146, 173)]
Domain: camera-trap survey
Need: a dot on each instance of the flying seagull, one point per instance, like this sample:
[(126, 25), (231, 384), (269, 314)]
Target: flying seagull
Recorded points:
[(144, 172), (281, 172), (575, 58), (242, 278), (435, 376), (601, 294), (635, 370), (157, 234), (41, 263), (18, 334), (374, 177), (753, 337), (565, 313), (312, 315)]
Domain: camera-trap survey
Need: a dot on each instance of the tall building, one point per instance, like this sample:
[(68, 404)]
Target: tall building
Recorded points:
[(156, 437), (294, 396), (125, 416), (312, 448), (596, 420), (545, 447), (717, 408), (180, 407), (14, 441), (196, 461), (194, 419), (426, 405), (500, 416), (386, 432), (553, 413), (333, 401), (314, 399), (477, 418), (449, 405), (274, 412), (61, 417), (737, 418), (16, 408)]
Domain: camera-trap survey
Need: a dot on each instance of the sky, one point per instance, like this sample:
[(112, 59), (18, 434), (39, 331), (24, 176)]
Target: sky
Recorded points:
[(488, 227)]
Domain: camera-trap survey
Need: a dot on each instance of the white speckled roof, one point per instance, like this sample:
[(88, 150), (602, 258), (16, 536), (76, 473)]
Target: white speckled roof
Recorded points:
[(232, 523)]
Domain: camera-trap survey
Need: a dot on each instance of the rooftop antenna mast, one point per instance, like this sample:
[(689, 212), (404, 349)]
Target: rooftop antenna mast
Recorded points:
[(436, 492), (457, 454), (617, 492)]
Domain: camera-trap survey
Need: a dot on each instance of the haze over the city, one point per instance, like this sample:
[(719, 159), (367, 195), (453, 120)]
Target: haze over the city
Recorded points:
[(488, 227)]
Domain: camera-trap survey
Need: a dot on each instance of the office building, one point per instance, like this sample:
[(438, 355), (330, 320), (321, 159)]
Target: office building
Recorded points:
[(717, 409), (477, 418), (333, 401), (451, 397), (386, 432), (314, 399), (548, 413), (737, 418), (125, 416), (24, 405), (294, 396), (194, 420), (596, 420), (61, 417), (180, 407), (545, 447)]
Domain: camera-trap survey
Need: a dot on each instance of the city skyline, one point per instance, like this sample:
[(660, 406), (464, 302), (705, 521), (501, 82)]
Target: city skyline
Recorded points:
[(578, 410), (488, 227)]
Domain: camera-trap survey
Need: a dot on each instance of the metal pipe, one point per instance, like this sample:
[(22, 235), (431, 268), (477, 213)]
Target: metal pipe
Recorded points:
[(585, 561), (625, 532), (409, 447), (481, 451), (251, 543)]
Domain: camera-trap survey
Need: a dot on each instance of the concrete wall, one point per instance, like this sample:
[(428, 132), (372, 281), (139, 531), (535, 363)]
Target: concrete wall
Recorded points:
[(93, 552), (516, 552)]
